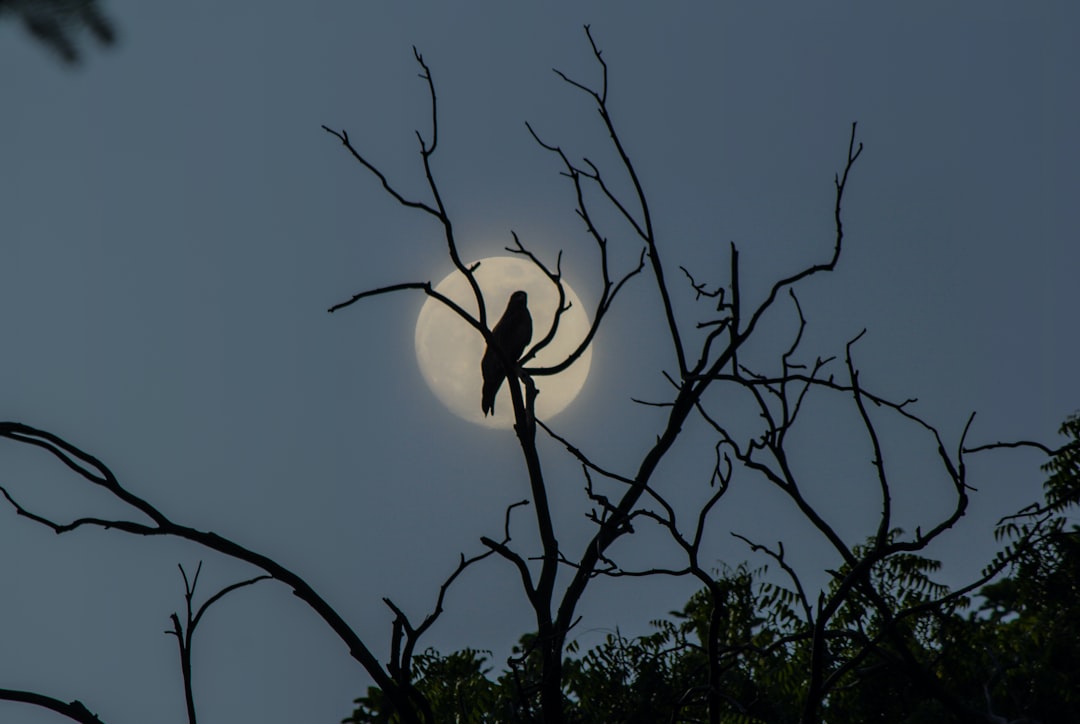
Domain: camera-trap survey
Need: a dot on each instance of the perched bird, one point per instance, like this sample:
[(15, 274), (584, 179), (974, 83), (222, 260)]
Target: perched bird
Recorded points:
[(511, 334)]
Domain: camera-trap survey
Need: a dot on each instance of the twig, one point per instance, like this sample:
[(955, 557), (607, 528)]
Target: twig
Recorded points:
[(185, 632)]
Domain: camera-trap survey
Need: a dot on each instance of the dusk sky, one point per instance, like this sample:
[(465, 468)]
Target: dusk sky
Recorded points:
[(175, 224)]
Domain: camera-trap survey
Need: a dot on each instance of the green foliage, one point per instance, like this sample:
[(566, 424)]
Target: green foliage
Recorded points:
[(455, 685), (631, 680), (1021, 649), (1063, 486)]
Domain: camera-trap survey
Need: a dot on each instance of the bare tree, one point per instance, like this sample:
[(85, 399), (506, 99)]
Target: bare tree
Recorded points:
[(706, 356), (700, 367)]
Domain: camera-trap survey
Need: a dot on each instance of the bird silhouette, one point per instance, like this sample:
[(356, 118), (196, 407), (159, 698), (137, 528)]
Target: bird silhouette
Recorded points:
[(511, 334)]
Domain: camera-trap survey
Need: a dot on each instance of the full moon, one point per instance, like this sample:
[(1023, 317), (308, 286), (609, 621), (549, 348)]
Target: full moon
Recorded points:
[(449, 350)]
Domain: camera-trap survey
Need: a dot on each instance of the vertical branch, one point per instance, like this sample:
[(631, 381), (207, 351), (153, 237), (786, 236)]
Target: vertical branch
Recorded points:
[(645, 227), (426, 152), (609, 287), (740, 336), (693, 386), (439, 209), (550, 637), (183, 641), (185, 632), (885, 522)]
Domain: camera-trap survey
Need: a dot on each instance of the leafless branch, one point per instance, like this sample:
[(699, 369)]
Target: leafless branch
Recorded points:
[(402, 662), (700, 290), (185, 632), (581, 456), (610, 288), (561, 305), (644, 228), (343, 136), (885, 520), (688, 399), (439, 209), (1050, 452), (95, 472), (74, 710), (778, 556)]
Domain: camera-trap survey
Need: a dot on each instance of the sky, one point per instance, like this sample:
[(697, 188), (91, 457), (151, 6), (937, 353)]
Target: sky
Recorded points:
[(175, 223)]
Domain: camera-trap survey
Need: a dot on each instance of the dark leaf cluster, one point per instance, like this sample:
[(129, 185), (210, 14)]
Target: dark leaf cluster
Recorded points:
[(1014, 658), (58, 24)]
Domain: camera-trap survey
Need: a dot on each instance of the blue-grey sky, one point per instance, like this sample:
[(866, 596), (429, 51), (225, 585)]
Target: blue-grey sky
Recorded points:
[(175, 223)]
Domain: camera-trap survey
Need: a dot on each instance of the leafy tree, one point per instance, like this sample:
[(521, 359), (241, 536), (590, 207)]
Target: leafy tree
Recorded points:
[(1013, 659), (1020, 652)]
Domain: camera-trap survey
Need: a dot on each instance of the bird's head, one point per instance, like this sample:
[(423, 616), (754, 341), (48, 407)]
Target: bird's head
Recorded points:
[(519, 298)]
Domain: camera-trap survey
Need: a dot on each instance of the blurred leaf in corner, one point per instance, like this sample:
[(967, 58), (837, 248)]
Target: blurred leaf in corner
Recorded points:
[(58, 24)]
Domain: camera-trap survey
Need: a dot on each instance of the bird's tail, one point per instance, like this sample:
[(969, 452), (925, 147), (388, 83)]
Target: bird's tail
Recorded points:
[(487, 397)]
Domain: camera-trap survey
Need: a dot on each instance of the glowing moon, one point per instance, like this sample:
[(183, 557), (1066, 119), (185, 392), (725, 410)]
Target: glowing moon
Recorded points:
[(449, 350)]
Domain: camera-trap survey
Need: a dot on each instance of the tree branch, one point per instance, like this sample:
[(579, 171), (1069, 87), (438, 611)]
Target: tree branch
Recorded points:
[(74, 710), (100, 475), (184, 633)]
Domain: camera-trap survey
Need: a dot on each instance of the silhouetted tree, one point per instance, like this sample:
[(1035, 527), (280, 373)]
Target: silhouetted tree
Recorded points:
[(881, 597), (1015, 658), (786, 652)]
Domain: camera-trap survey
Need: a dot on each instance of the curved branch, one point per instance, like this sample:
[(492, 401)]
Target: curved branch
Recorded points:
[(343, 136), (610, 289), (645, 228), (403, 661), (739, 337), (560, 306), (885, 521), (439, 210), (185, 632), (163, 526), (74, 710)]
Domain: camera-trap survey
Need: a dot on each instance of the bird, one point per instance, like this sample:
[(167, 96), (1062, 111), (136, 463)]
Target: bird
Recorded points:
[(512, 333)]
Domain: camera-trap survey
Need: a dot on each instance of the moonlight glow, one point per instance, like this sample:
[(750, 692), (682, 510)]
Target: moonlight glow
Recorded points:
[(449, 350)]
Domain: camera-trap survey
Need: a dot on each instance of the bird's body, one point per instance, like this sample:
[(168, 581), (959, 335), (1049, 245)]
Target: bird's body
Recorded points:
[(511, 334)]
